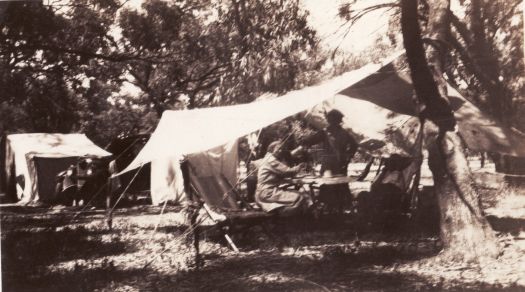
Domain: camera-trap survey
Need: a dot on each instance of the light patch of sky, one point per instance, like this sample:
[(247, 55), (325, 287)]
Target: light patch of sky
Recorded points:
[(333, 31), (330, 27), (86, 82), (457, 8), (134, 4), (115, 31), (129, 89)]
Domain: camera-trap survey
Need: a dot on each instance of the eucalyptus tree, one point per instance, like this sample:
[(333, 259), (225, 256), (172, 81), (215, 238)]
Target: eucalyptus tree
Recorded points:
[(217, 52), (478, 47), (465, 232), (64, 64)]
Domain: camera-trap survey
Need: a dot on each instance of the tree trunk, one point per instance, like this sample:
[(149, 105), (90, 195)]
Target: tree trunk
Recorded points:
[(465, 233)]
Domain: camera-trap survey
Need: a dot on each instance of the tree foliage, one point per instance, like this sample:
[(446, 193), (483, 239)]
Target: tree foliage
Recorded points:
[(484, 52), (216, 51), (64, 66), (49, 60), (487, 56)]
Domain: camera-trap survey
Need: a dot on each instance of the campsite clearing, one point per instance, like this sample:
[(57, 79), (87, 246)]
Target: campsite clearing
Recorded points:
[(42, 250)]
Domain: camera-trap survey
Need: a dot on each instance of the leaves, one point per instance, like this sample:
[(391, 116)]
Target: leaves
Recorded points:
[(488, 57), (64, 65)]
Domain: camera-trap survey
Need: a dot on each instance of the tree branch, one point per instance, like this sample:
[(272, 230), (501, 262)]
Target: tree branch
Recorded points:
[(461, 28), (114, 57), (507, 15), (436, 107)]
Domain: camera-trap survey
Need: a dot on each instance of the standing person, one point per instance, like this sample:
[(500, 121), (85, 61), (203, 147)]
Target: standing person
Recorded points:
[(270, 175), (339, 147)]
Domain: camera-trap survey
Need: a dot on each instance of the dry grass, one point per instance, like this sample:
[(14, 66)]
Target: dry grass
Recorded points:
[(86, 256), (42, 250), (509, 201)]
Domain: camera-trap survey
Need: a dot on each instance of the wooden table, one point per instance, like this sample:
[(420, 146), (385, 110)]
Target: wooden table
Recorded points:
[(314, 184), (320, 180)]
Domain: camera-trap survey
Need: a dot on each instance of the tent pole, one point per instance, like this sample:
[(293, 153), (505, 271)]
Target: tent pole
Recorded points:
[(226, 235), (193, 214), (109, 214)]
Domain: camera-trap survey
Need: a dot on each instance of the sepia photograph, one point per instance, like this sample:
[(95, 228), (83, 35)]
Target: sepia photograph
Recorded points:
[(262, 145)]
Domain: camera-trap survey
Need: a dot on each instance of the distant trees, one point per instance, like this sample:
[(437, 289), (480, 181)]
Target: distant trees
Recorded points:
[(64, 65), (56, 66), (216, 51), (484, 52), (487, 57)]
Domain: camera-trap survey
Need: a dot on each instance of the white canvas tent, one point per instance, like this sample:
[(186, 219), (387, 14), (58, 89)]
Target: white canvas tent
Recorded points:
[(33, 161), (375, 99), (163, 177)]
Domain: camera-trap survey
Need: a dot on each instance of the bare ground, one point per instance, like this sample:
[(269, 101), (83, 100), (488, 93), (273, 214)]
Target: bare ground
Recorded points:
[(45, 249)]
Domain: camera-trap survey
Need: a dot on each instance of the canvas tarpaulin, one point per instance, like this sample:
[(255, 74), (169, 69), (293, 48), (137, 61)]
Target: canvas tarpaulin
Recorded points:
[(191, 131), (166, 181), (391, 88), (33, 160), (217, 163), (377, 99), (166, 175), (393, 132)]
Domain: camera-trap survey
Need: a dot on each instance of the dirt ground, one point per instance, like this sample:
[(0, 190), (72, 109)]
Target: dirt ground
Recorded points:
[(63, 249)]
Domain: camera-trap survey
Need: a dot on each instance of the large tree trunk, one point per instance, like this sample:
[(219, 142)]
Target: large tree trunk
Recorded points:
[(465, 233)]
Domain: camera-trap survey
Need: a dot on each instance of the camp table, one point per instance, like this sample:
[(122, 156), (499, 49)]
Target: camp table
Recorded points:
[(315, 182), (320, 180)]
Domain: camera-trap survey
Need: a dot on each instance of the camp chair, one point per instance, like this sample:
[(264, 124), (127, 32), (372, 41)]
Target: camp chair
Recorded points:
[(224, 205), (394, 189), (391, 193)]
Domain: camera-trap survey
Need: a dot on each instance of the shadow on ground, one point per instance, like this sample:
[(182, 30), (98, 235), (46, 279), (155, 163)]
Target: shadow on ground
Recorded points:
[(362, 270), (328, 257), (27, 254), (52, 217), (105, 278), (507, 224)]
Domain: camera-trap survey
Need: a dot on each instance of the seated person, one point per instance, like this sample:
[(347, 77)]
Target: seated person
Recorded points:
[(269, 196)]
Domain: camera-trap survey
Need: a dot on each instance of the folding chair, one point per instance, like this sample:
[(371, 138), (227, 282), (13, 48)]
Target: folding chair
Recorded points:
[(218, 197)]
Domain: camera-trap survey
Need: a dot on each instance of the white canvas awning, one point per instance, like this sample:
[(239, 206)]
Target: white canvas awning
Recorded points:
[(190, 131), (375, 100)]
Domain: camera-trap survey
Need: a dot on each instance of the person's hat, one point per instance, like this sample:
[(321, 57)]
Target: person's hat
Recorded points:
[(274, 146), (334, 115)]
